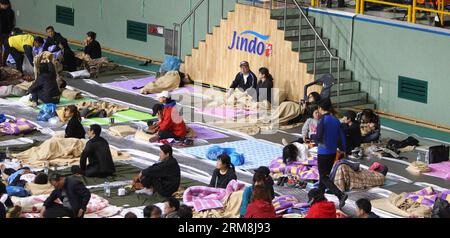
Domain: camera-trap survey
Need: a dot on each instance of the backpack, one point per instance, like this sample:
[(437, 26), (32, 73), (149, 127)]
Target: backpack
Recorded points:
[(437, 154), (441, 209)]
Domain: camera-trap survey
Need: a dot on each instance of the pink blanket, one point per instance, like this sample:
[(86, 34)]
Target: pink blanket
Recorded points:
[(206, 198), (440, 170)]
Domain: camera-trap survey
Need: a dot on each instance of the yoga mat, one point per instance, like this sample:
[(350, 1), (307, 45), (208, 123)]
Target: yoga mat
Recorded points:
[(440, 170), (130, 84), (256, 152), (119, 117), (224, 112), (62, 102), (204, 133)]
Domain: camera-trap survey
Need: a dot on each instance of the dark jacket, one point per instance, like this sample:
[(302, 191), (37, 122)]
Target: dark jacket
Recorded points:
[(77, 194), (264, 90), (352, 135), (372, 215), (239, 81), (46, 87), (260, 209), (168, 173), (100, 158), (94, 50), (221, 181), (329, 135), (70, 62), (74, 129), (55, 40), (7, 21)]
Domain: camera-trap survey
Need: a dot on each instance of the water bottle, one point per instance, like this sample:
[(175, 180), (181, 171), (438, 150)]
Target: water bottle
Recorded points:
[(427, 160), (107, 189), (7, 153), (419, 157), (46, 165)]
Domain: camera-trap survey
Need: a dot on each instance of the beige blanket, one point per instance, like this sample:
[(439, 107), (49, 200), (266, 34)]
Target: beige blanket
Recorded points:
[(71, 94), (39, 189), (169, 82), (60, 152), (46, 57), (122, 131)]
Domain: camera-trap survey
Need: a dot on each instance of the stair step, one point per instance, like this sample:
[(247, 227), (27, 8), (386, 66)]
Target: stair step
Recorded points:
[(323, 63), (345, 75), (290, 17), (346, 87), (305, 31), (306, 43), (304, 37), (319, 54), (294, 23), (359, 104), (346, 92), (350, 97), (280, 11)]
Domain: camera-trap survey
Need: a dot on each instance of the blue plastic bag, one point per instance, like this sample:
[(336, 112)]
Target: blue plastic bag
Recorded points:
[(2, 118), (171, 63), (16, 191), (237, 159), (214, 152), (47, 111)]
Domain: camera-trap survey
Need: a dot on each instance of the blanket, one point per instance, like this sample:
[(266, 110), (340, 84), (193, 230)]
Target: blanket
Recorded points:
[(96, 66), (16, 126), (10, 76), (94, 107), (347, 179), (206, 198), (60, 152), (304, 170), (46, 57), (71, 94), (169, 82), (122, 131), (39, 189)]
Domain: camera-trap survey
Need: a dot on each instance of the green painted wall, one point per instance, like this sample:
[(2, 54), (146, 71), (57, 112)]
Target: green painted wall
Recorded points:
[(381, 53), (110, 22)]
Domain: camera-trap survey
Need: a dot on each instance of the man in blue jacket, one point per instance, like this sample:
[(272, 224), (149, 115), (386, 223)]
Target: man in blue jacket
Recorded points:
[(329, 133)]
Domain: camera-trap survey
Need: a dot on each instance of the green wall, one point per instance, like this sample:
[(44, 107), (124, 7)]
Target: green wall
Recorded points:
[(382, 50), (111, 24)]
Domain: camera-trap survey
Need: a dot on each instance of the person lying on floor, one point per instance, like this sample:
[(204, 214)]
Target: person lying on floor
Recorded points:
[(92, 47), (74, 128), (20, 177), (370, 126), (320, 206), (19, 46), (152, 211), (45, 89), (162, 177), (223, 173), (244, 81), (261, 205), (97, 150), (364, 209), (53, 39), (39, 186), (259, 179), (73, 198), (171, 124), (69, 61), (172, 205), (352, 131)]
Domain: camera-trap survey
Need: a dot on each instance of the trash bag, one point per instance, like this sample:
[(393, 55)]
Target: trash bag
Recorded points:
[(214, 152), (237, 159), (17, 191), (171, 63), (441, 209), (47, 111)]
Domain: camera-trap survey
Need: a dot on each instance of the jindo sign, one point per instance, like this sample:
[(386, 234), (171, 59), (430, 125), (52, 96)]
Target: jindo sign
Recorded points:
[(253, 46)]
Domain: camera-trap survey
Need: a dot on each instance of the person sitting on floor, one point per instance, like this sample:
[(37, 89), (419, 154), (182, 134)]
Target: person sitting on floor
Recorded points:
[(99, 154), (244, 81), (370, 126), (92, 47), (309, 129), (53, 39), (19, 45), (45, 89), (152, 211), (171, 124), (69, 61), (364, 209), (320, 206), (130, 215), (352, 131), (264, 85), (172, 205), (74, 128), (72, 196), (258, 179), (261, 205), (223, 173), (162, 177), (185, 212)]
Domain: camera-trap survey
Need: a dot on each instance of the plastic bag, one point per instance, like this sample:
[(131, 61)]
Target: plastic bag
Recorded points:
[(171, 63), (214, 152), (237, 159), (2, 118), (47, 111), (16, 191)]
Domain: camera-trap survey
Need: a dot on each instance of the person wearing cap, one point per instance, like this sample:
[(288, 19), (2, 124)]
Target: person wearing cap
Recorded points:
[(320, 206), (329, 133), (244, 80), (352, 131), (171, 124)]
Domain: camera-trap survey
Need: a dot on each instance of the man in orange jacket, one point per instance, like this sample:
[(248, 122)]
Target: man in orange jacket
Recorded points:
[(171, 124)]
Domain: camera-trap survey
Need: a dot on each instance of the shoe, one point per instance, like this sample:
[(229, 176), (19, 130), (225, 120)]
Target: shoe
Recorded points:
[(342, 201), (284, 142), (145, 191)]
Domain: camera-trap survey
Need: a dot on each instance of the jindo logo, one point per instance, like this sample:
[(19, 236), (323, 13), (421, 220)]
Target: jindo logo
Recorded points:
[(252, 46)]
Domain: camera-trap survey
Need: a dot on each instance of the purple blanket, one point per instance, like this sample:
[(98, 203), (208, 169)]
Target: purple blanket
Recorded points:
[(130, 84), (204, 133)]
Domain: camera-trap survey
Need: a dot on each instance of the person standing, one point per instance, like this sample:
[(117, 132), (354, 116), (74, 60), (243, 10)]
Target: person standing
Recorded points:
[(328, 136), (7, 23)]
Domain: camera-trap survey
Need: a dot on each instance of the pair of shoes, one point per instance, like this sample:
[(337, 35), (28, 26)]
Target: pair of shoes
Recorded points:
[(145, 191), (284, 142), (342, 201), (146, 63)]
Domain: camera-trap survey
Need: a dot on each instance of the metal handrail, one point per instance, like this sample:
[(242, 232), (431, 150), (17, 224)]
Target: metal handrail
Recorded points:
[(316, 36)]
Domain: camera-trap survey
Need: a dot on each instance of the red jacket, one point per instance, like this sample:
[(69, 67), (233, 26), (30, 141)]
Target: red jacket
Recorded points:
[(323, 209), (260, 209), (172, 121)]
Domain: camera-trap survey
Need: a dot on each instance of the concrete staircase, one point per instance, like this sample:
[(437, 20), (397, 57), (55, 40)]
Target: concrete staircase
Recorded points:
[(351, 94)]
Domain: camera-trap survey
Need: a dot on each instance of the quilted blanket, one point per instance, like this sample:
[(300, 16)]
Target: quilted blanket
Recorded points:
[(205, 198), (346, 178), (428, 196), (303, 170), (16, 127)]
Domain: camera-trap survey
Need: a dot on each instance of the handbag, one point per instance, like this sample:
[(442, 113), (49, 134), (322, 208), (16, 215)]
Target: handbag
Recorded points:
[(437, 154)]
